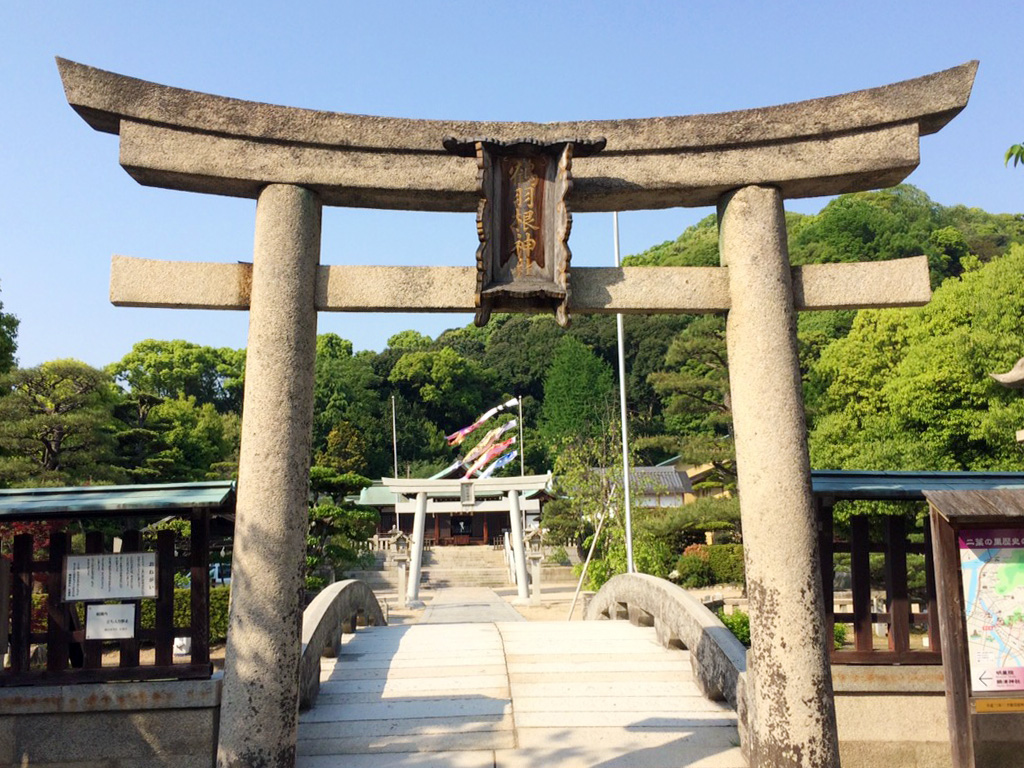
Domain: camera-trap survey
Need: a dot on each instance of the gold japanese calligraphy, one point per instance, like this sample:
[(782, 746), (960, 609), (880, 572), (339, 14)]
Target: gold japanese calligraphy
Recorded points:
[(524, 210)]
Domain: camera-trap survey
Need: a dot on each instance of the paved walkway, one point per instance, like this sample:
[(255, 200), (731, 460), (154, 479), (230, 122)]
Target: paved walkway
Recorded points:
[(468, 605), (510, 695)]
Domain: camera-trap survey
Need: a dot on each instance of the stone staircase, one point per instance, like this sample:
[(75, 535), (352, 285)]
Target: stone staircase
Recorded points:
[(469, 566)]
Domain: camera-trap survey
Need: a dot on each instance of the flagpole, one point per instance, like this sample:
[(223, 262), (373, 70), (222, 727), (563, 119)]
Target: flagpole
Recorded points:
[(622, 408), (394, 445), (394, 434), (522, 445)]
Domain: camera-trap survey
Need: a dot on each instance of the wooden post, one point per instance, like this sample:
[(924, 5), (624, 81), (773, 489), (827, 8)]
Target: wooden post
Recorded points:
[(58, 629), (165, 598), (21, 603), (860, 572), (199, 591), (951, 611), (131, 541), (896, 583), (826, 529), (934, 634), (93, 648)]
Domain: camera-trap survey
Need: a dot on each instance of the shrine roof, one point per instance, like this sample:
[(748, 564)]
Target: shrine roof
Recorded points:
[(906, 486), (107, 500)]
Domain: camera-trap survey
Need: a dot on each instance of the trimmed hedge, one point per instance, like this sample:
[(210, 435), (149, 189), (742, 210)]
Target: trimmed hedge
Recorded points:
[(726, 561), (182, 612), (703, 565)]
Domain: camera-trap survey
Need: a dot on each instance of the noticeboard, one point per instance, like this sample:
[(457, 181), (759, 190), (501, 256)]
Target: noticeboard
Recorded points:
[(978, 552), (123, 576), (992, 573)]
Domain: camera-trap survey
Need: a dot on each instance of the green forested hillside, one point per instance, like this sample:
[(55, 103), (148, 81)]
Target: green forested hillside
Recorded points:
[(900, 389)]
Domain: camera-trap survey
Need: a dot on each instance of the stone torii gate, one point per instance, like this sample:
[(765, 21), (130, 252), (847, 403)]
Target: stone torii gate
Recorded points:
[(294, 161)]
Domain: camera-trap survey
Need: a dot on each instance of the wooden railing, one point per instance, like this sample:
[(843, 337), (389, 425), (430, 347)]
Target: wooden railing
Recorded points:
[(70, 657), (895, 544)]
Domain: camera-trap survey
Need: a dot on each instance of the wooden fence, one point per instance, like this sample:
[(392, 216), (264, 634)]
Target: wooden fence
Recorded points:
[(70, 657), (895, 545)]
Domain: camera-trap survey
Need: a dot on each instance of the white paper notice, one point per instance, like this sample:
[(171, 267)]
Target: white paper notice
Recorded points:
[(110, 577), (109, 622)]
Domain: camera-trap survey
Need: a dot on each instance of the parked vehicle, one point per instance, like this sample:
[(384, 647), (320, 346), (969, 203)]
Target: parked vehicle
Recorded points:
[(220, 574)]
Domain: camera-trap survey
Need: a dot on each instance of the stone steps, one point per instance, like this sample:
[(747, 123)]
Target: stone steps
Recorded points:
[(471, 566)]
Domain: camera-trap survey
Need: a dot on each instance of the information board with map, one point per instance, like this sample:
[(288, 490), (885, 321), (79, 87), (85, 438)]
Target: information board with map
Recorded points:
[(992, 571)]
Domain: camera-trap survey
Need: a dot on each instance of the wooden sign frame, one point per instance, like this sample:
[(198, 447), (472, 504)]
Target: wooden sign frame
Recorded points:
[(952, 512)]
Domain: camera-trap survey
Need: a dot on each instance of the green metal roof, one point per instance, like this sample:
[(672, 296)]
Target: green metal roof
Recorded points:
[(376, 496), (107, 500), (905, 486)]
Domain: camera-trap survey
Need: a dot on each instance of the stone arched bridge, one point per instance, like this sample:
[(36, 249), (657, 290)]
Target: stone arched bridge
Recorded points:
[(658, 690)]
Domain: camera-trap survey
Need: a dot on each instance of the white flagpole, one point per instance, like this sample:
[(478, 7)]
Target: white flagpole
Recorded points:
[(394, 445), (622, 408), (394, 434)]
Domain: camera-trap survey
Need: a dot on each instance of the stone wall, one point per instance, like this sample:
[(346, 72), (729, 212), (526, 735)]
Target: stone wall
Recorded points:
[(116, 725), (896, 716)]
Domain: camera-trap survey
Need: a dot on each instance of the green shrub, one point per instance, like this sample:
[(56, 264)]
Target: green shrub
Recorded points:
[(558, 556), (183, 612), (693, 569), (839, 635), (726, 561), (738, 623)]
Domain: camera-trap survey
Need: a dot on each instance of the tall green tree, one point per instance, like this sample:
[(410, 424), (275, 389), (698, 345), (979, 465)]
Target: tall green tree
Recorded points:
[(180, 369), (578, 394), (8, 340), (452, 389), (55, 425), (519, 351), (695, 390), (909, 389), (348, 409)]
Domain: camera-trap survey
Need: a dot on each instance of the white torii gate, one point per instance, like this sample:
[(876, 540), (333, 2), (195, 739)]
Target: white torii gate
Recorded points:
[(473, 496)]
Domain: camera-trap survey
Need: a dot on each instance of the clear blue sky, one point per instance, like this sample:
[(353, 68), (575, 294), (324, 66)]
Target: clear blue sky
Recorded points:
[(66, 205)]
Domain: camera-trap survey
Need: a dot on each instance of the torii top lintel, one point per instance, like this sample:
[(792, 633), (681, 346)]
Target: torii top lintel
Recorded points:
[(197, 142)]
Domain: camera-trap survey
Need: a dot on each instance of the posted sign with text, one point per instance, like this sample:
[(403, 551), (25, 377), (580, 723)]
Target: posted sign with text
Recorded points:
[(110, 577), (992, 567), (110, 622)]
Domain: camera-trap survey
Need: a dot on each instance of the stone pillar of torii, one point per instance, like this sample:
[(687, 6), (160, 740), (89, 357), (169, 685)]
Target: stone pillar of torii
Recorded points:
[(294, 161)]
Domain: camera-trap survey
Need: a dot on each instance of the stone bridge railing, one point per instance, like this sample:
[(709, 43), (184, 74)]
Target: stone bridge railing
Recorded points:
[(337, 609), (718, 659)]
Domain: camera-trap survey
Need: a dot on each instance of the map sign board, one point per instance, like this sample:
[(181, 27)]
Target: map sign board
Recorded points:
[(992, 572), (123, 576)]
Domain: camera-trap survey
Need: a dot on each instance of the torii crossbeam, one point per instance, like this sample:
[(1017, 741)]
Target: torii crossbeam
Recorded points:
[(294, 161)]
